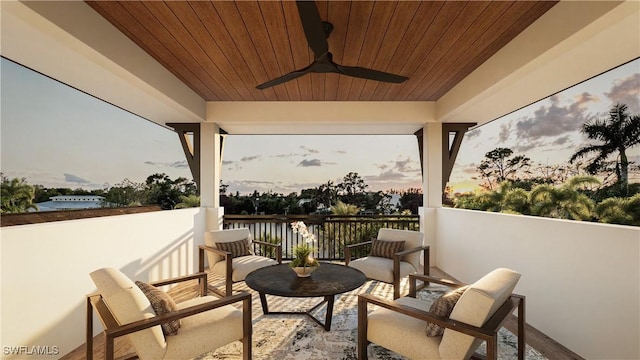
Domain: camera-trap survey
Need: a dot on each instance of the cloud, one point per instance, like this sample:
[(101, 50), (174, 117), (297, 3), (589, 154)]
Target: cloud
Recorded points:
[(312, 162), (228, 162), (286, 155), (505, 130), (250, 158), (626, 91), (553, 120), (473, 133), (341, 151), (385, 176), (176, 164), (312, 151), (561, 140), (75, 179)]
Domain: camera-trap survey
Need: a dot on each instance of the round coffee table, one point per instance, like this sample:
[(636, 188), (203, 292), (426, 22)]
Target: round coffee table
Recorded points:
[(327, 281)]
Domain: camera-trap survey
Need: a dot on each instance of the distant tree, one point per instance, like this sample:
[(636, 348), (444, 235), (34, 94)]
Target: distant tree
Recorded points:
[(411, 200), (624, 211), (507, 198), (352, 189), (125, 193), (166, 192), (16, 195), (617, 133), (327, 194), (499, 166), (188, 201), (565, 202)]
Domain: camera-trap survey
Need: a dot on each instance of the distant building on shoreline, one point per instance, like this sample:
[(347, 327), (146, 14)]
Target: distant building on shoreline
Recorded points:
[(71, 202)]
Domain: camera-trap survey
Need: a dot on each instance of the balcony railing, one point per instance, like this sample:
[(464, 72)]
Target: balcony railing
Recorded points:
[(332, 232)]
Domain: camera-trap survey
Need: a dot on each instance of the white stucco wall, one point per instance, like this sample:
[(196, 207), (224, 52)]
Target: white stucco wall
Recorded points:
[(45, 269), (581, 280)]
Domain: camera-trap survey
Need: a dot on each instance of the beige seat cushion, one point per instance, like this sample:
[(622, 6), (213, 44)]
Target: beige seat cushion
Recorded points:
[(381, 269), (206, 331), (401, 333), (478, 303), (128, 304), (242, 266)]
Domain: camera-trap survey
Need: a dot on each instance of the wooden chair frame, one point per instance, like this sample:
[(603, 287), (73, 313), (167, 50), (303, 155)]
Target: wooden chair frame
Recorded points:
[(113, 330), (397, 257), (488, 332), (228, 258)]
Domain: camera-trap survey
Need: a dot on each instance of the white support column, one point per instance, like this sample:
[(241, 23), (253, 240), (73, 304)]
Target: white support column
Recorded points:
[(431, 183), (210, 169)]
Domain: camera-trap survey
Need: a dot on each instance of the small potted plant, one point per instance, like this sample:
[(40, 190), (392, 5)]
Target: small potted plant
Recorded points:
[(303, 262)]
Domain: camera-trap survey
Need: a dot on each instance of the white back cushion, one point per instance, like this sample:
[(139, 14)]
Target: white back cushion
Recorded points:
[(412, 239), (475, 307), (128, 304), (214, 236)]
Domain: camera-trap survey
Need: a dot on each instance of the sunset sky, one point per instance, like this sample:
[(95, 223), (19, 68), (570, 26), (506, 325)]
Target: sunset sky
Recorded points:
[(56, 136)]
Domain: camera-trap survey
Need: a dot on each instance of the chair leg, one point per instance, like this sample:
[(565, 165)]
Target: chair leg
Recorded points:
[(362, 329), (89, 329), (492, 348), (247, 328), (521, 332)]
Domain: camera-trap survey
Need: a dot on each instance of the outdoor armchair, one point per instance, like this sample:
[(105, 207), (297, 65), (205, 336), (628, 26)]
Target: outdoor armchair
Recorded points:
[(478, 314), (200, 325), (393, 265), (230, 254)]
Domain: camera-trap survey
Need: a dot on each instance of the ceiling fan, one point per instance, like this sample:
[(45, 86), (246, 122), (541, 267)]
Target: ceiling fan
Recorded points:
[(317, 31)]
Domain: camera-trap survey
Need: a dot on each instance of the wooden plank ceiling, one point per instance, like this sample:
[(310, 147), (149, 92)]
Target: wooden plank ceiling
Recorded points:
[(223, 49)]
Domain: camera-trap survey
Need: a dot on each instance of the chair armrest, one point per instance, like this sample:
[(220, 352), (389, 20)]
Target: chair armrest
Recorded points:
[(348, 248), (413, 278), (215, 250), (201, 251), (277, 247), (198, 275), (485, 332), (412, 250), (201, 276), (182, 313)]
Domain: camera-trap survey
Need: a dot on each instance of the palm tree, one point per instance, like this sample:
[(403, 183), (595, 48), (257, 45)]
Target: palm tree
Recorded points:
[(617, 210), (617, 134), (564, 202), (190, 201), (341, 208), (17, 196)]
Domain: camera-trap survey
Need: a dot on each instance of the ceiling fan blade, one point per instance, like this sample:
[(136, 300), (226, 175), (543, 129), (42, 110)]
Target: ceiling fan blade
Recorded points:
[(370, 74), (284, 78), (313, 27)]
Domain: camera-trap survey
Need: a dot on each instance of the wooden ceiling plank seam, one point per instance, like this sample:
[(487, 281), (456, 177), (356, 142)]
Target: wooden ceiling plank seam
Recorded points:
[(200, 60), (252, 18), (412, 44), (338, 14), (454, 29), (219, 34), (374, 37), (116, 14), (203, 40), (356, 31), (234, 24), (273, 17), (511, 24), (467, 46), (403, 15), (300, 51)]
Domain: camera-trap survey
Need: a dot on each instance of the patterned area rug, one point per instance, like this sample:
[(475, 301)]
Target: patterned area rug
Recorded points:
[(299, 337)]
